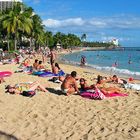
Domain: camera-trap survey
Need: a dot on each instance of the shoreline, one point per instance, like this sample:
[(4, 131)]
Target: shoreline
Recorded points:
[(103, 70)]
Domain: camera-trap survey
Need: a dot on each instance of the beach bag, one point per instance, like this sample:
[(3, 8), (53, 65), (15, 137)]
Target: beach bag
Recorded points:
[(28, 93)]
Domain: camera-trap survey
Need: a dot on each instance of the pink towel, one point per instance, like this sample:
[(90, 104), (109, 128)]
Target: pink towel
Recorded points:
[(98, 95), (116, 94)]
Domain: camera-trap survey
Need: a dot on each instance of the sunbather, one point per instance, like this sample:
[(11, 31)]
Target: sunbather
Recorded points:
[(24, 87)]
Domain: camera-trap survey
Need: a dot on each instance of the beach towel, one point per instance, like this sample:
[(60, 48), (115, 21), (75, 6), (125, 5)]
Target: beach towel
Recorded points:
[(5, 73), (96, 95), (116, 94), (132, 86), (38, 73), (50, 74)]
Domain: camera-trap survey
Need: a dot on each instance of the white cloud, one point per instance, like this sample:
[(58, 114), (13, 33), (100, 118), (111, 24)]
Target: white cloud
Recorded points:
[(112, 22), (52, 23), (98, 29), (108, 38)]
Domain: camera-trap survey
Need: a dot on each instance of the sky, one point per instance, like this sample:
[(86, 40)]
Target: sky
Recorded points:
[(100, 20)]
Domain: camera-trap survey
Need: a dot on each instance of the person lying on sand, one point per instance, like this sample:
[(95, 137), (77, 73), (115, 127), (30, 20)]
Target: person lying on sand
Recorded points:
[(104, 90), (117, 80), (113, 79), (24, 87), (69, 85)]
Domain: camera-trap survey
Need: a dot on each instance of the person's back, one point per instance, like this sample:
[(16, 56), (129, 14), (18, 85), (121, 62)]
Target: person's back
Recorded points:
[(55, 68), (68, 82), (40, 66), (69, 85), (35, 65)]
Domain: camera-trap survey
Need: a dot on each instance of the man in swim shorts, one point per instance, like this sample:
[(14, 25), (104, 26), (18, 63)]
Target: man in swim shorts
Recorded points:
[(69, 85)]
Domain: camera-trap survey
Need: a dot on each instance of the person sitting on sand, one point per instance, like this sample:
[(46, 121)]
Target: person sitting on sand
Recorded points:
[(25, 87), (84, 85), (41, 67), (69, 85), (55, 68), (35, 64), (26, 62)]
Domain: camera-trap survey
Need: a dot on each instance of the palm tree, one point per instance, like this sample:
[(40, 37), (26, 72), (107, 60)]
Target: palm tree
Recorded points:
[(49, 39), (83, 37), (17, 21), (38, 31)]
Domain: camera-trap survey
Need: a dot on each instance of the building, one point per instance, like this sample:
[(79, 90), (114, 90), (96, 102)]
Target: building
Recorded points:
[(58, 46), (5, 4), (115, 41)]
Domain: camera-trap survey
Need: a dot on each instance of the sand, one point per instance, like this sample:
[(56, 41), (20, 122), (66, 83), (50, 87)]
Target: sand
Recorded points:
[(52, 116)]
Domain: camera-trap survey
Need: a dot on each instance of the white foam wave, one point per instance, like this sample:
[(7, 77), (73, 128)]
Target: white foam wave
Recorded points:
[(114, 70), (110, 70)]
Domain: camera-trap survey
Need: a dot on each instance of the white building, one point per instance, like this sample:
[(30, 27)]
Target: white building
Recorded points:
[(5, 4), (115, 41), (58, 46)]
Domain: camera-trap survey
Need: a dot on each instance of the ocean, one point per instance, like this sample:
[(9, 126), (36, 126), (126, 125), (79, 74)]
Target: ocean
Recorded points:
[(123, 62)]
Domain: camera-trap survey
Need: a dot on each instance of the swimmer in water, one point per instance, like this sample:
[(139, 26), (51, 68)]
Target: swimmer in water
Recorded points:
[(129, 62)]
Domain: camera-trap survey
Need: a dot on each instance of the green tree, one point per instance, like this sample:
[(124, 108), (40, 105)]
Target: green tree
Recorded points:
[(16, 21)]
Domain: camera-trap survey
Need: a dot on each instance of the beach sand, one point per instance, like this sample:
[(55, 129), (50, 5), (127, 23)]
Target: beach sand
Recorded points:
[(52, 116)]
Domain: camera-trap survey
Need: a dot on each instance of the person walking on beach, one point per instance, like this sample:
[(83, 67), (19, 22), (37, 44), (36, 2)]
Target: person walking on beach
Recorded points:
[(69, 85)]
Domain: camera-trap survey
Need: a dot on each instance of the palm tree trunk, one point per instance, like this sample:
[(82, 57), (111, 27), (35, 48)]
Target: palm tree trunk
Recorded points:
[(15, 44), (8, 45), (30, 42)]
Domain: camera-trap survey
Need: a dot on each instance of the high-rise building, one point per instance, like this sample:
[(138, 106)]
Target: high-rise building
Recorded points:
[(5, 4)]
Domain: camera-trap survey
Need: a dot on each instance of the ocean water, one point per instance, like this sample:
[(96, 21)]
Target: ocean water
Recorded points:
[(125, 63)]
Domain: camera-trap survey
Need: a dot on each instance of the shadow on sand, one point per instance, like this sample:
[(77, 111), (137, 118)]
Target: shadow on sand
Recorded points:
[(5, 136), (54, 91)]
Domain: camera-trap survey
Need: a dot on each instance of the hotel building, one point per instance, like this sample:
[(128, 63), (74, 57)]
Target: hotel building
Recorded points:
[(5, 4)]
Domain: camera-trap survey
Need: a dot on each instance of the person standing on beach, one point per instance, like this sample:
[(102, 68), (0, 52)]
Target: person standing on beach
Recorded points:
[(69, 85), (83, 60), (52, 56)]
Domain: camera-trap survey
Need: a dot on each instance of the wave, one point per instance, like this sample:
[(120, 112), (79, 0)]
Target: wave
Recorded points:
[(122, 72)]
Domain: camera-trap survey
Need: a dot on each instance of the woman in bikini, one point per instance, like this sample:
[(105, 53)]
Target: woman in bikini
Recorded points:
[(20, 88), (99, 85)]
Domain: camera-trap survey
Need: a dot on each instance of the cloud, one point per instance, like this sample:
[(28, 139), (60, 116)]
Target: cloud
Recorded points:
[(95, 23), (125, 28), (52, 23), (108, 38)]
